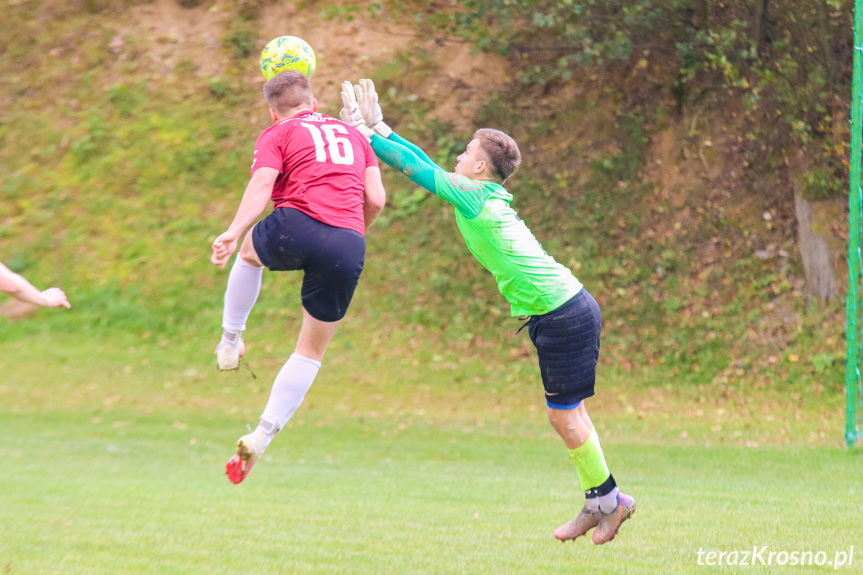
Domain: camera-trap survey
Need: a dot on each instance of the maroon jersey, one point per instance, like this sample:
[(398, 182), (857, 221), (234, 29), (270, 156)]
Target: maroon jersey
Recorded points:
[(322, 164)]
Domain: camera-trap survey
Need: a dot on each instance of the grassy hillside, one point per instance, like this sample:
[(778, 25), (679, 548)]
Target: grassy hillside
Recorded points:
[(125, 142)]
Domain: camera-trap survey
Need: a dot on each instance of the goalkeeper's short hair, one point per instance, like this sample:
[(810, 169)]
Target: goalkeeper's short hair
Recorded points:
[(288, 90), (501, 149)]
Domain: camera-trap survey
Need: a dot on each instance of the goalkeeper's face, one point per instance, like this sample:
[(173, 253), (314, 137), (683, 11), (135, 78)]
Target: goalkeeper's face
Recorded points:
[(473, 162)]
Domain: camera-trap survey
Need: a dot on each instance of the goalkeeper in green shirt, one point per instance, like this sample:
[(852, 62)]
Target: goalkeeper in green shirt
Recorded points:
[(565, 320)]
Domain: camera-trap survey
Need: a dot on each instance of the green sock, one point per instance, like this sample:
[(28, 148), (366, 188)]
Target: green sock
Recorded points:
[(590, 462)]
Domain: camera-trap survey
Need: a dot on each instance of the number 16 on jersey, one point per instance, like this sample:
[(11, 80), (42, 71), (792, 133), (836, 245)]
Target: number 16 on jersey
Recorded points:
[(341, 151)]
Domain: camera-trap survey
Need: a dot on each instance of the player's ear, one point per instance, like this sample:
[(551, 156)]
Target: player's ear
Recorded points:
[(480, 167), (314, 104), (274, 115)]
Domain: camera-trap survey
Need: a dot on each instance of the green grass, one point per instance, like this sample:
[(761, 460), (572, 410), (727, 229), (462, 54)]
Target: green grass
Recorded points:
[(114, 451)]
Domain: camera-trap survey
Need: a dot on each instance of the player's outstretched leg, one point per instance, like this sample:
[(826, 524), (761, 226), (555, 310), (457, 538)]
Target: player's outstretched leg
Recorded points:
[(289, 389), (605, 507), (609, 523)]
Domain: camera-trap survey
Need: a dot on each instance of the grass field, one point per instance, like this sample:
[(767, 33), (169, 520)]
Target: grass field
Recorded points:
[(114, 449)]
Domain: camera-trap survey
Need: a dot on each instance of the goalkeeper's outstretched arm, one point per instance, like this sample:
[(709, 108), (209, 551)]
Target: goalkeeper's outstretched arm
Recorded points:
[(447, 186), (406, 160), (415, 149)]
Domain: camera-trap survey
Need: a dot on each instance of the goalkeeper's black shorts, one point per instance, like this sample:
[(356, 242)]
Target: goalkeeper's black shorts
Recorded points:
[(567, 342)]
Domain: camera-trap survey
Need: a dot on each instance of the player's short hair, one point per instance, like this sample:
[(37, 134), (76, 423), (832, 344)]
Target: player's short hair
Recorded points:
[(502, 151), (288, 90)]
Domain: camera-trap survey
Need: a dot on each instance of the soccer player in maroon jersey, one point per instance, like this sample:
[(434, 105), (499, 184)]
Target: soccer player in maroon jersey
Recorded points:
[(325, 183)]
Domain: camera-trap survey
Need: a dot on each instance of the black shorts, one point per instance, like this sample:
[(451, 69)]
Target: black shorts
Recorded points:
[(332, 258), (567, 342)]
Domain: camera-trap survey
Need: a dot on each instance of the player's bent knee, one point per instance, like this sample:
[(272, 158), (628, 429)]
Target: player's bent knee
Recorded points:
[(247, 251), (252, 260)]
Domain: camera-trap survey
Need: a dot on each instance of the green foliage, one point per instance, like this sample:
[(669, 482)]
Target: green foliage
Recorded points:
[(402, 202), (823, 361), (242, 38), (624, 165), (550, 39), (220, 89), (790, 63), (821, 183), (125, 100), (334, 11)]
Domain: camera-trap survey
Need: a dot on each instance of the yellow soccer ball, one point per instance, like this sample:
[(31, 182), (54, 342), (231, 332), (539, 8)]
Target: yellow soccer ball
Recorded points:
[(287, 53)]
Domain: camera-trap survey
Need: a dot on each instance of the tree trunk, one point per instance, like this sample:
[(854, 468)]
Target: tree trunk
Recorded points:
[(817, 260)]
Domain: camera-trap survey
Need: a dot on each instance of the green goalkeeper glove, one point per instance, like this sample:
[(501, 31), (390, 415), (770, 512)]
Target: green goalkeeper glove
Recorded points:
[(350, 112), (367, 99)]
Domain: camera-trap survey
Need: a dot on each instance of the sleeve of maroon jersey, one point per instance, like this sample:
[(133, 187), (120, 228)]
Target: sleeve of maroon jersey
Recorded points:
[(267, 152)]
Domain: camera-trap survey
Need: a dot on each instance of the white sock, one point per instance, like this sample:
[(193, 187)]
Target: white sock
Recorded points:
[(608, 502), (267, 430), (591, 504), (232, 338), (289, 389), (244, 285)]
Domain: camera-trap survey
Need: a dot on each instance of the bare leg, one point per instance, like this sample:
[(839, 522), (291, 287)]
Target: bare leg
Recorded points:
[(247, 250), (572, 425), (315, 336)]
